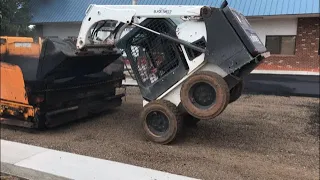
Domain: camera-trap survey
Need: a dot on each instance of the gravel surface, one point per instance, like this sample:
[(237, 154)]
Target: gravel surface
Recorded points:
[(257, 137), (4, 176)]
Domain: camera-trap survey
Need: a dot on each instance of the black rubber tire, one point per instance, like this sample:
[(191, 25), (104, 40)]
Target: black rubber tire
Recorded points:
[(236, 92), (221, 99), (173, 115)]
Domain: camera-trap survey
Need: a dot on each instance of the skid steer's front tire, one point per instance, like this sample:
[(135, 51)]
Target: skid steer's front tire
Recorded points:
[(205, 95), (161, 121)]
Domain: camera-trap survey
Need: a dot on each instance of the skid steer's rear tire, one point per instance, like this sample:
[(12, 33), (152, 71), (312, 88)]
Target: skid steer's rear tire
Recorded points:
[(161, 121), (236, 92), (205, 95)]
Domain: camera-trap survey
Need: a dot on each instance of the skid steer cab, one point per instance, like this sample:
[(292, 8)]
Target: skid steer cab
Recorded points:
[(189, 61)]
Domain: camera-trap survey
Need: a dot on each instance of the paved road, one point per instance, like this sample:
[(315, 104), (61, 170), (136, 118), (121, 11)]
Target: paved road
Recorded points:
[(287, 85), (258, 136)]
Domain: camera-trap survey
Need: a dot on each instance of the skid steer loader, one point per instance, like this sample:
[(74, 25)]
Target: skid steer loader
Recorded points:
[(48, 83), (186, 59)]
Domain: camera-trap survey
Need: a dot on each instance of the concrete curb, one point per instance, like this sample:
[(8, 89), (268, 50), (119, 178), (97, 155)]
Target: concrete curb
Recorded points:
[(27, 173), (34, 162)]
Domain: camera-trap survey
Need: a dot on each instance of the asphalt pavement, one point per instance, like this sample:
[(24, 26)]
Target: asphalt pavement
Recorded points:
[(283, 85)]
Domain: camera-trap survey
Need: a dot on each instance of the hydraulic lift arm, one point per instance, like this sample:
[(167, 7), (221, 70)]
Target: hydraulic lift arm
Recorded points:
[(125, 15)]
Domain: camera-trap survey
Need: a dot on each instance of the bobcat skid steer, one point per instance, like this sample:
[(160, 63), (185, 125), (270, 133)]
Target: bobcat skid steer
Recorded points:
[(47, 84), (186, 59)]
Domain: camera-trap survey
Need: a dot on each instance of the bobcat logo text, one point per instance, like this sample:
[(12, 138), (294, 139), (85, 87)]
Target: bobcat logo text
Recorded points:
[(162, 11)]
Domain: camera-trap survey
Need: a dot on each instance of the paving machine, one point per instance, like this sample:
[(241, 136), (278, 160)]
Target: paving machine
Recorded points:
[(188, 59), (50, 83)]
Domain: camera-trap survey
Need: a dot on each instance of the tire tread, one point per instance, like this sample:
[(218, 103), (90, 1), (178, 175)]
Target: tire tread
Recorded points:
[(223, 85), (172, 108)]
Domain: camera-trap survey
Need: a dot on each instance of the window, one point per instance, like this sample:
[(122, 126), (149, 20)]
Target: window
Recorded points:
[(281, 44)]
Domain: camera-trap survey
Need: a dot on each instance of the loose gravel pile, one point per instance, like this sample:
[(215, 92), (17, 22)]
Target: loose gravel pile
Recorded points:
[(257, 137)]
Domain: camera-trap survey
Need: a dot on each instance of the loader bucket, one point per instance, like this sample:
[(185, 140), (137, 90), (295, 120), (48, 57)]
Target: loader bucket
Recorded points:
[(231, 43), (60, 59)]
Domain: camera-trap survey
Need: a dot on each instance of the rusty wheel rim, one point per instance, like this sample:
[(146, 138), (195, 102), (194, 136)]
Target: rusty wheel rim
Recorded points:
[(157, 123), (202, 95)]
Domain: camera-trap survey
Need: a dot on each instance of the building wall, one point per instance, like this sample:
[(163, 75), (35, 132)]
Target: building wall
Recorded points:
[(306, 57), (62, 30), (283, 26)]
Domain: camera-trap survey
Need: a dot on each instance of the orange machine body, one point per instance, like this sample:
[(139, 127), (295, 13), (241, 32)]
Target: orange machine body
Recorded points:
[(13, 97), (19, 46), (12, 84)]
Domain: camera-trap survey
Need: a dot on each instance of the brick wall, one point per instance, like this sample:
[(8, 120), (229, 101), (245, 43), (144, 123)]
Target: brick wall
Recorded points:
[(306, 56)]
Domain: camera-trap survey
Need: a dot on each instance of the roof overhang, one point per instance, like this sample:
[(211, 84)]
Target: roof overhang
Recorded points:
[(282, 16)]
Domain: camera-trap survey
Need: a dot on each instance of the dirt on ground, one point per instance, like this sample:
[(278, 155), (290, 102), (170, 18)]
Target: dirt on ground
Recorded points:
[(4, 176), (257, 137)]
